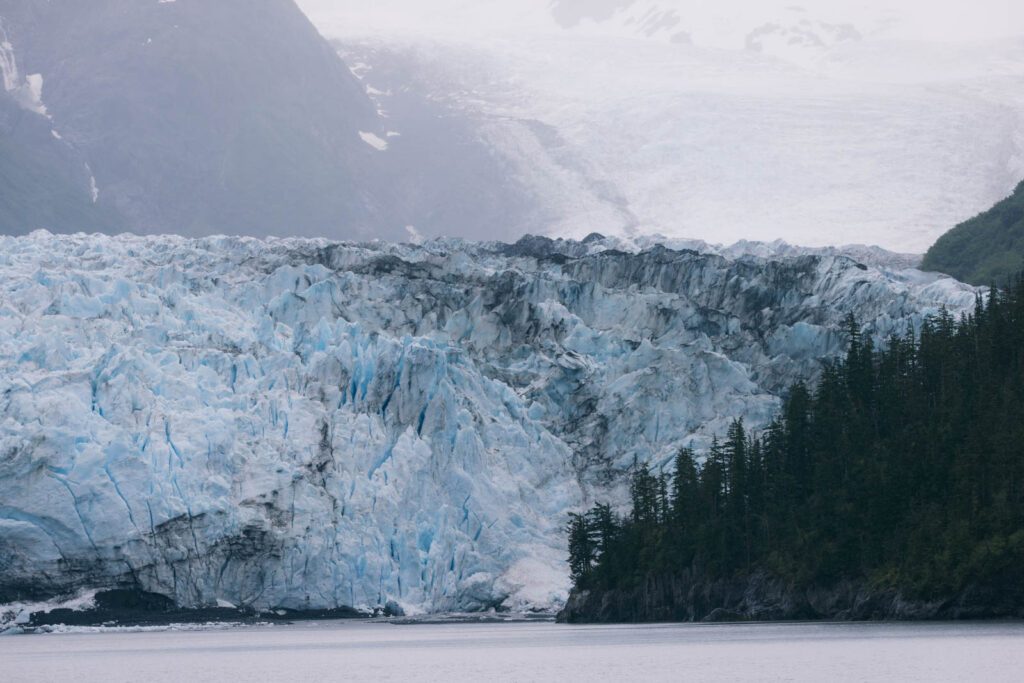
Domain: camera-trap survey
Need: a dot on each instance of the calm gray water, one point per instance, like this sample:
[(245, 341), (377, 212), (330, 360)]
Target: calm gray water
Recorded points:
[(526, 652)]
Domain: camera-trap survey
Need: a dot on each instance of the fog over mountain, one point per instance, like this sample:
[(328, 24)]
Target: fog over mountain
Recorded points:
[(723, 121)]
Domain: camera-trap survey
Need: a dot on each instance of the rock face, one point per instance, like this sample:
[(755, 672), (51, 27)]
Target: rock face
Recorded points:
[(312, 425), (43, 179), (760, 597), (203, 117), (197, 115)]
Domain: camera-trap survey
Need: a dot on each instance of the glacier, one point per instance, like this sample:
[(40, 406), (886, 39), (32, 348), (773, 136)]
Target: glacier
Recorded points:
[(726, 120), (292, 423)]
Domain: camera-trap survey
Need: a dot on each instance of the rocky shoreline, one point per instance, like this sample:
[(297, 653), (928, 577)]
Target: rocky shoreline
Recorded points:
[(685, 597), (135, 608)]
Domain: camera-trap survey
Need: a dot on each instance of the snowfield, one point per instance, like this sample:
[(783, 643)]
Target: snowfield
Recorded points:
[(820, 124), (306, 424)]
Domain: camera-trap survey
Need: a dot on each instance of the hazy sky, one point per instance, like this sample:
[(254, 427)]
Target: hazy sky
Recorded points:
[(716, 21)]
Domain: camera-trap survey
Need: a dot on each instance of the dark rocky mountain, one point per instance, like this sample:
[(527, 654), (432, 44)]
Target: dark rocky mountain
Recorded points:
[(44, 180), (216, 116), (988, 249), (199, 116)]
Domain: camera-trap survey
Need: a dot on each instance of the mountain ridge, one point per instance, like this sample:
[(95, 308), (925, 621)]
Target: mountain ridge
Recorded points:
[(199, 117)]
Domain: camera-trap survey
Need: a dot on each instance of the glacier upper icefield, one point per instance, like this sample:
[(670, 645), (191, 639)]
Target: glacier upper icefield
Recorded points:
[(307, 424), (720, 120)]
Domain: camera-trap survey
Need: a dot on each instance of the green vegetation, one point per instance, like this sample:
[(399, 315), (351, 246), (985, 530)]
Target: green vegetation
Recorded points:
[(903, 468), (987, 249)]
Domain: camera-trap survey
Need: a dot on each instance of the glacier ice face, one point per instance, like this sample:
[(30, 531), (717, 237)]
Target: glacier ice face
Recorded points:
[(300, 423)]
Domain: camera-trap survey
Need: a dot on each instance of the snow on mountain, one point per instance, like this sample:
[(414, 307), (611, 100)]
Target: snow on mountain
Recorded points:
[(825, 124), (301, 423), (27, 90), (44, 180)]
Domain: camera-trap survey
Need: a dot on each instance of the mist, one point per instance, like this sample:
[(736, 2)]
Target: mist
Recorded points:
[(717, 23), (819, 124), (722, 121)]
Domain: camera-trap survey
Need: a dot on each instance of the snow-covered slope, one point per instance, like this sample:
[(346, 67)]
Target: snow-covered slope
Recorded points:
[(312, 424), (832, 123), (713, 23)]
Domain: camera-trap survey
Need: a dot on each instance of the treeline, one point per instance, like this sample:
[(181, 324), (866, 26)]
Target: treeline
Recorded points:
[(988, 248), (903, 466)]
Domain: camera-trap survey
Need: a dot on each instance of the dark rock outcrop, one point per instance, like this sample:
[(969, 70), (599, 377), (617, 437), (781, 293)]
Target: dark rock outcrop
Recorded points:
[(134, 607), (762, 597)]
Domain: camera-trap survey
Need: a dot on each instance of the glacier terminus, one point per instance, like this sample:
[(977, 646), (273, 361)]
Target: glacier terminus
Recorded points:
[(305, 424)]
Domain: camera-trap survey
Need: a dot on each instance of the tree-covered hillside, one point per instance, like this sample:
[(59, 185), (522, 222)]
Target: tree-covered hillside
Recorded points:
[(903, 470), (987, 249)]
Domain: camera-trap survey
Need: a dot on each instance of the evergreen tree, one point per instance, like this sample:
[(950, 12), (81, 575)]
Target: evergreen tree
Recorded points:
[(581, 550), (905, 465)]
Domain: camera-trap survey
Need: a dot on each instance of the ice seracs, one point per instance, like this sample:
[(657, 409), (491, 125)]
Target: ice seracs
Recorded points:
[(300, 423)]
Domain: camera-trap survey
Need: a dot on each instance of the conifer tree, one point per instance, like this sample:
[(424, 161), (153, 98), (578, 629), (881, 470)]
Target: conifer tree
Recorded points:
[(904, 465)]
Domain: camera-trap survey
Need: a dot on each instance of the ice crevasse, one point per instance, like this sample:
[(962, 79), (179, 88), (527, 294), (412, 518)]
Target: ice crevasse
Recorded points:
[(306, 424)]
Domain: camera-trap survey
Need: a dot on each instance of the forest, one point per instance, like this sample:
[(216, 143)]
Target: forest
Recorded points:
[(986, 249), (902, 467)]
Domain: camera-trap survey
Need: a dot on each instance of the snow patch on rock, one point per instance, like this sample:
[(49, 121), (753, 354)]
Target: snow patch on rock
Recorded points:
[(27, 91), (374, 141)]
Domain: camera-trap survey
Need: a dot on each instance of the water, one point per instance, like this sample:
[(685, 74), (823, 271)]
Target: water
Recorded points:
[(526, 652)]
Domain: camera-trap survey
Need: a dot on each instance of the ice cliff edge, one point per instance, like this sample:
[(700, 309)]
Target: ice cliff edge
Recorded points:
[(308, 424)]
